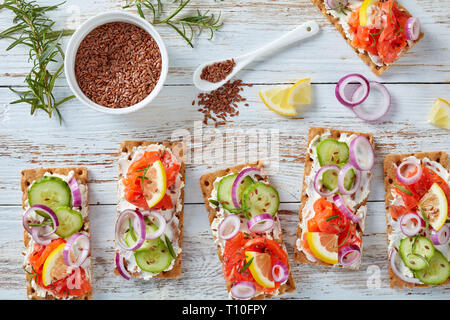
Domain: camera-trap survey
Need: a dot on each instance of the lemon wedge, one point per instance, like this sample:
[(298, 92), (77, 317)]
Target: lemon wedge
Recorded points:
[(435, 206), (300, 92), (363, 11), (260, 268), (440, 114), (323, 246), (155, 183), (276, 100), (54, 266)]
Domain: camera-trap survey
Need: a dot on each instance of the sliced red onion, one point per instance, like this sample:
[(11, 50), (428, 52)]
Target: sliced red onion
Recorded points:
[(348, 255), (392, 259), (280, 272), (441, 236), (121, 268), (341, 179), (333, 4), (229, 227), (74, 280), (362, 155), (243, 290), (76, 193), (161, 224), (77, 242), (410, 224), (48, 211), (318, 186), (341, 206), (412, 28), (122, 225), (363, 90), (237, 182), (403, 171), (38, 237), (380, 111), (260, 223)]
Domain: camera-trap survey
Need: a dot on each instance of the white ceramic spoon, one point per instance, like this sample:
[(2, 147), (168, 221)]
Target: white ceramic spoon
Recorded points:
[(303, 31)]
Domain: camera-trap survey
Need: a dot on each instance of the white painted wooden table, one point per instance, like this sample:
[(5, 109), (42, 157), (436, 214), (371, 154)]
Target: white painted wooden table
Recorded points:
[(91, 139)]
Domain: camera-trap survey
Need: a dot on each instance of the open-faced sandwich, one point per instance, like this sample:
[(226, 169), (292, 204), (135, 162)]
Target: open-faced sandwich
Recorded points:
[(379, 31), (149, 225), (418, 229), (335, 190), (243, 214), (56, 222)]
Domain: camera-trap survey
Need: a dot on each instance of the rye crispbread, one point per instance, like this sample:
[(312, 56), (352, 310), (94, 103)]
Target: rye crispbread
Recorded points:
[(207, 185), (178, 150), (28, 177), (389, 179), (378, 70), (299, 255)]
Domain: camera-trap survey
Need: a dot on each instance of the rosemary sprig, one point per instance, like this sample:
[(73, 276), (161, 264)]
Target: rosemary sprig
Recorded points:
[(186, 27), (247, 265), (424, 216), (33, 29), (403, 189)]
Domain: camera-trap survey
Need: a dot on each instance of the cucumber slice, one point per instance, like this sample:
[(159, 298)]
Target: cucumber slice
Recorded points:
[(155, 259), (329, 179), (130, 242), (415, 262), (406, 247), (224, 191), (260, 198), (423, 247), (70, 221), (437, 272), (50, 191), (331, 151)]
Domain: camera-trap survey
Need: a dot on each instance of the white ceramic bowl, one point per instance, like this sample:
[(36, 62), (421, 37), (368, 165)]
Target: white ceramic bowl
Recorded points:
[(84, 30)]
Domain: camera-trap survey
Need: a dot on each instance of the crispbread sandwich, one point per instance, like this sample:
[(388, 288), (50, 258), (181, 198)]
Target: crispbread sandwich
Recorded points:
[(56, 220), (381, 37), (336, 186), (417, 196), (149, 225), (249, 235)]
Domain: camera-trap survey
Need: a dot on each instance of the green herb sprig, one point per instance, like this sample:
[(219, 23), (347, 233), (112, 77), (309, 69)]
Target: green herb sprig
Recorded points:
[(33, 29), (187, 27)]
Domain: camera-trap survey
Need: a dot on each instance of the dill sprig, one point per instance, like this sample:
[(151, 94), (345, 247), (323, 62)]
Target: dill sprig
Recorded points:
[(33, 29), (342, 9), (187, 27)]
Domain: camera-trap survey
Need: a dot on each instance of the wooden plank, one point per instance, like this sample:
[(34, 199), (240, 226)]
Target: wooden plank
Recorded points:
[(199, 254)]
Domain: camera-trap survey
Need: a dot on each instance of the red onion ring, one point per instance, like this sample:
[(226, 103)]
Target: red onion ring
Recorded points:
[(161, 224), (407, 225), (85, 247), (346, 80), (121, 268), (348, 255), (282, 274), (229, 227), (341, 179), (76, 193), (74, 280), (260, 223), (243, 290), (392, 258), (318, 178), (333, 4), (38, 238), (362, 155), (140, 232), (341, 206), (237, 182), (408, 180), (441, 236), (48, 211), (381, 111), (412, 28)]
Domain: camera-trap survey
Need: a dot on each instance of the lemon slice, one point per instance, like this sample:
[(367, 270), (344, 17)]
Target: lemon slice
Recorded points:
[(363, 11), (155, 183), (440, 114), (434, 205), (323, 246), (54, 267), (260, 268), (276, 100), (300, 92)]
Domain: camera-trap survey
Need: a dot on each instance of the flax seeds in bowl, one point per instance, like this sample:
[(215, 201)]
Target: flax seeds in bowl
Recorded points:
[(116, 63)]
